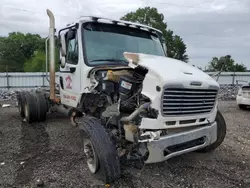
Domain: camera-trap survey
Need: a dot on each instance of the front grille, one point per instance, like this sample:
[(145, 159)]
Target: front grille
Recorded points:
[(183, 101)]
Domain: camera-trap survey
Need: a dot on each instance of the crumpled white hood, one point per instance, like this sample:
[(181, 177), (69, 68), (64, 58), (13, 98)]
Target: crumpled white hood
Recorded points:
[(174, 71)]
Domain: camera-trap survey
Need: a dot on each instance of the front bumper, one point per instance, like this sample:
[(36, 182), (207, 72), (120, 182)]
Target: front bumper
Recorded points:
[(180, 143)]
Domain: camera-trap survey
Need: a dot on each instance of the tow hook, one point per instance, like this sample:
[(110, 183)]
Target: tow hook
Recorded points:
[(73, 117), (149, 136)]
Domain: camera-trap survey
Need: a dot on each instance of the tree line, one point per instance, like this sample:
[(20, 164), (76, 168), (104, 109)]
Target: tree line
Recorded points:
[(20, 52)]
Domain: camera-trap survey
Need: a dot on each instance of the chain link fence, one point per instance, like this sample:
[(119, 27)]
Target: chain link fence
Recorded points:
[(230, 83), (228, 92), (21, 80), (11, 82)]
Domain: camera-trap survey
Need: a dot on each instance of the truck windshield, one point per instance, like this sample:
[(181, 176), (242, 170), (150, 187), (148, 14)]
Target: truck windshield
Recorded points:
[(105, 43)]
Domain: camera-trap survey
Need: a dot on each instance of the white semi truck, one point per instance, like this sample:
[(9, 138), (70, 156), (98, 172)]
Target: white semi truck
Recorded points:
[(128, 99)]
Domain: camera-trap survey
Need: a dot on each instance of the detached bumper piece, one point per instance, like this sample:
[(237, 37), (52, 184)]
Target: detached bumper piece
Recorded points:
[(176, 144)]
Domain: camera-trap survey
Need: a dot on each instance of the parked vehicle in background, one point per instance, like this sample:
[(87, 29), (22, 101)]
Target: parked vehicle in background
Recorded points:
[(243, 96)]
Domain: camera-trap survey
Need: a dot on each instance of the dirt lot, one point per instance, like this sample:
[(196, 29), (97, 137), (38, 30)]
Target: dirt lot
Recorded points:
[(52, 152)]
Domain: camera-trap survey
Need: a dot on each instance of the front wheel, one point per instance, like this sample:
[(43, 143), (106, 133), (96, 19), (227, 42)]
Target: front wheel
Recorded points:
[(101, 153), (92, 159), (221, 133)]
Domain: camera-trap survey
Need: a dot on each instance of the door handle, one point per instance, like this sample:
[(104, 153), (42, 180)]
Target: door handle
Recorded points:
[(72, 69)]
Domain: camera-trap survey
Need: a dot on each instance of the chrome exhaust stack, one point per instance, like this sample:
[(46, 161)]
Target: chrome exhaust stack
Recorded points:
[(52, 73)]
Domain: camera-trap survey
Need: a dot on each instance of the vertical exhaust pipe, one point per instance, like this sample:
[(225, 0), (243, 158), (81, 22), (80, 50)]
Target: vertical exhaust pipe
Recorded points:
[(52, 74)]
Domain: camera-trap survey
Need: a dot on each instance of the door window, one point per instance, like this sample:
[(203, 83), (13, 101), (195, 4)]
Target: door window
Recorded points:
[(72, 51)]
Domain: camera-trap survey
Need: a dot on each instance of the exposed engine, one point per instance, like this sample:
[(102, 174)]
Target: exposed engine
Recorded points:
[(118, 102), (118, 92)]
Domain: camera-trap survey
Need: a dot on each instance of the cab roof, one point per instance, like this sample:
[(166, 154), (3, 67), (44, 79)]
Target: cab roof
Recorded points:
[(83, 19)]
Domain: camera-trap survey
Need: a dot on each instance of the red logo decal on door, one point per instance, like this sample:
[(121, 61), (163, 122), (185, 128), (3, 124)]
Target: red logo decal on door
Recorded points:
[(68, 82)]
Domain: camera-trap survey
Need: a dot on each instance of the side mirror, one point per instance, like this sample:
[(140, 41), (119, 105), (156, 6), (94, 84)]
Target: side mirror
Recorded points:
[(71, 34), (63, 61), (63, 45)]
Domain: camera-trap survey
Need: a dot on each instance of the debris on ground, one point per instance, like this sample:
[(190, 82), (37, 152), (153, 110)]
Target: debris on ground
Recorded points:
[(53, 157), (39, 183), (7, 95), (5, 105), (227, 92)]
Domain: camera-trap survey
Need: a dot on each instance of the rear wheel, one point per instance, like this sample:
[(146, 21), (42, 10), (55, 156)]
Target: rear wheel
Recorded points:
[(30, 107), (20, 102), (101, 153), (221, 133), (41, 106)]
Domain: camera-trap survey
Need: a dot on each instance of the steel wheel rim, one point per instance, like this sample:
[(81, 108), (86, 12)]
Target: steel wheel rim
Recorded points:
[(90, 153), (26, 110), (19, 106)]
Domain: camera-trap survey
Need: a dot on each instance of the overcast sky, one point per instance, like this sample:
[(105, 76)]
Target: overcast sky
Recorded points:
[(208, 27)]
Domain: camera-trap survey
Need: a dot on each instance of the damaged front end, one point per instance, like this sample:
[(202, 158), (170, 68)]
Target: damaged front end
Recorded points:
[(183, 117), (152, 108)]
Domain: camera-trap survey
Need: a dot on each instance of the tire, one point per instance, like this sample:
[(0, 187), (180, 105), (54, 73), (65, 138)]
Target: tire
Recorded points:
[(21, 100), (41, 106), (30, 107), (242, 106), (108, 169), (221, 133)]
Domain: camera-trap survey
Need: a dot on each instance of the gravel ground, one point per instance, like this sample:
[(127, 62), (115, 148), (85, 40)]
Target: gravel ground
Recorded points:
[(52, 153)]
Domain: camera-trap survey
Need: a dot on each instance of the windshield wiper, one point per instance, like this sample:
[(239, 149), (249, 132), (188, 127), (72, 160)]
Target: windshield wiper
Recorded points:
[(110, 59)]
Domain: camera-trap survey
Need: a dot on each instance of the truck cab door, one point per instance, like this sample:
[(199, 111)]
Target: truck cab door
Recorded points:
[(70, 71)]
